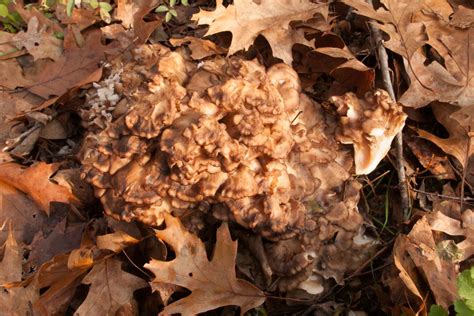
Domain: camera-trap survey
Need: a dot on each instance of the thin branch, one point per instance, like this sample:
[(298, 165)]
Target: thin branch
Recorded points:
[(384, 68), (446, 197), (470, 134)]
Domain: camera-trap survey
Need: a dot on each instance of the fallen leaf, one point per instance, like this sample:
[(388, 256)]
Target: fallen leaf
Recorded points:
[(165, 290), (458, 141), (132, 12), (16, 301), (431, 157), (7, 47), (10, 267), (116, 241), (450, 81), (440, 273), (410, 25), (81, 17), (463, 17), (11, 75), (111, 288), (200, 48), (38, 41), (24, 215), (14, 298), (81, 258), (456, 227), (406, 266), (213, 283), (246, 19), (60, 282), (465, 117), (29, 12), (345, 68), (34, 181), (64, 238), (396, 17), (76, 66)]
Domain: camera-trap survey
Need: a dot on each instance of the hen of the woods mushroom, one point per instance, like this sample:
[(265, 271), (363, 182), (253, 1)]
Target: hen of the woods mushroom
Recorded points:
[(228, 138)]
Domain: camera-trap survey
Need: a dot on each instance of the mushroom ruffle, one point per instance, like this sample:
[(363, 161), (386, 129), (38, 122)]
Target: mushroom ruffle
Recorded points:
[(229, 138)]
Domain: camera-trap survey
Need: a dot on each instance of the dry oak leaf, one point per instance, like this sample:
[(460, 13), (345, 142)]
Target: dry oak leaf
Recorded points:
[(200, 48), (21, 212), (410, 25), (64, 237), (440, 273), (76, 66), (450, 80), (60, 283), (458, 142), (451, 226), (213, 283), (111, 288), (10, 266), (132, 12), (14, 298), (397, 20), (34, 181), (39, 42), (116, 241), (246, 19)]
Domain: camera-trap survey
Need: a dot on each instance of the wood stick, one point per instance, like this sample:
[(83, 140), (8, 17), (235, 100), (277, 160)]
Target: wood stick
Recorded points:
[(387, 81)]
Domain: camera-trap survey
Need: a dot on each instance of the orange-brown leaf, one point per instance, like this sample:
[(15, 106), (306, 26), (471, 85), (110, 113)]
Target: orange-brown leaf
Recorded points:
[(213, 283), (246, 19), (111, 288), (34, 181), (75, 67)]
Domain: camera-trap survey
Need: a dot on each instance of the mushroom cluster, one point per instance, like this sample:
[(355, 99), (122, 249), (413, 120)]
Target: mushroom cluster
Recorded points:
[(230, 138)]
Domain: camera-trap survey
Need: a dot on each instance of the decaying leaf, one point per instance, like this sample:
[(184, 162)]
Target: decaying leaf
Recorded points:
[(63, 238), (39, 42), (410, 25), (60, 282), (448, 81), (116, 241), (246, 19), (431, 157), (76, 66), (440, 274), (22, 213), (458, 142), (407, 269), (396, 19), (15, 300), (34, 181), (456, 227), (111, 288), (200, 48), (131, 12), (213, 283), (434, 255), (10, 266)]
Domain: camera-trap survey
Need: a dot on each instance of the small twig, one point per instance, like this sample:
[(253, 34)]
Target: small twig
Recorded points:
[(447, 197), (470, 134), (384, 68), (11, 143)]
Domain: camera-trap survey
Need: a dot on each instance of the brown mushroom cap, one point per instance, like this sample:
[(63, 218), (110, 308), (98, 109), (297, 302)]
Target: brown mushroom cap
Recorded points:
[(238, 141)]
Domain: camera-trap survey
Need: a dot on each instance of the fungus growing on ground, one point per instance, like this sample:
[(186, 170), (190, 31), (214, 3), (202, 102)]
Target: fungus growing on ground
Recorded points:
[(229, 138), (370, 124)]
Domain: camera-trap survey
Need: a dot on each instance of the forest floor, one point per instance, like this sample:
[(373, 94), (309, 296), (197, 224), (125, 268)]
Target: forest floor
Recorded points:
[(62, 255)]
